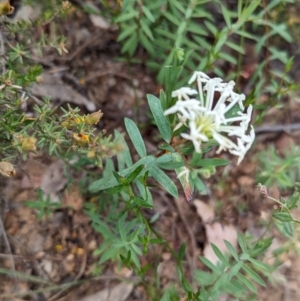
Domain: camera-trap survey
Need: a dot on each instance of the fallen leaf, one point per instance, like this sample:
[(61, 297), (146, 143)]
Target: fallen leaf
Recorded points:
[(118, 293), (54, 87), (54, 180), (216, 233)]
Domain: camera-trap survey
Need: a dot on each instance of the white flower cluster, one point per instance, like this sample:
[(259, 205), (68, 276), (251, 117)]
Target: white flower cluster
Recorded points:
[(208, 121)]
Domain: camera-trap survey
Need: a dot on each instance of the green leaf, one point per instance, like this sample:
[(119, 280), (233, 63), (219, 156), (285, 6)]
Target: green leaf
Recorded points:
[(285, 230), (253, 275), (261, 246), (124, 155), (146, 30), (247, 35), (235, 269), (126, 32), (167, 147), (209, 162), (248, 10), (221, 281), (205, 278), (226, 15), (141, 202), (145, 193), (111, 181), (210, 265), (235, 47), (289, 228), (135, 137), (228, 57), (148, 13), (163, 99), (160, 119), (134, 173), (126, 16), (231, 249), (131, 44), (199, 185), (119, 178), (242, 243), (219, 254), (170, 165), (292, 201), (121, 229), (168, 157), (242, 279), (181, 252), (288, 67), (164, 180), (260, 265), (238, 289), (211, 27), (145, 43), (115, 190), (283, 216), (108, 254), (171, 18), (195, 28)]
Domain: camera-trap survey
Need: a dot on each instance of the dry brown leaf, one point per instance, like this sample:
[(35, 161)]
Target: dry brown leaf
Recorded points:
[(54, 180), (216, 233), (53, 86), (119, 293)]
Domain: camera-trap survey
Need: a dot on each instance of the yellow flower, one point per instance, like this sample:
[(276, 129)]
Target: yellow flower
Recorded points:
[(81, 139), (6, 8), (72, 122), (91, 154), (93, 118), (28, 144), (7, 169)]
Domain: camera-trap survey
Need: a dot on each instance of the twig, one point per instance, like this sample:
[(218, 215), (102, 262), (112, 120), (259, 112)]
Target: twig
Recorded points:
[(81, 48), (105, 73), (68, 285), (278, 128), (3, 234)]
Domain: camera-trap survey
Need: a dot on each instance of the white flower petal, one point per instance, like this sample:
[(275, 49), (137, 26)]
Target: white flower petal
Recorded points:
[(207, 120)]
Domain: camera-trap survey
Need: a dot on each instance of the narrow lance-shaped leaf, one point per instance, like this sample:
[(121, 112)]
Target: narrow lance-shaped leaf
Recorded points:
[(253, 275), (110, 181), (161, 120), (219, 254), (135, 137), (134, 174), (164, 180), (124, 154)]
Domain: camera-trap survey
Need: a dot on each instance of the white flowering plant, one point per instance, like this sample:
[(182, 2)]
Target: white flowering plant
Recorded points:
[(212, 114), (199, 123), (206, 120)]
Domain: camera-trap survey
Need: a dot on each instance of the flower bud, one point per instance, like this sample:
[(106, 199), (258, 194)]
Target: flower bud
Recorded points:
[(93, 118), (28, 144), (91, 154), (72, 122), (39, 79), (81, 139), (7, 169), (66, 5)]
